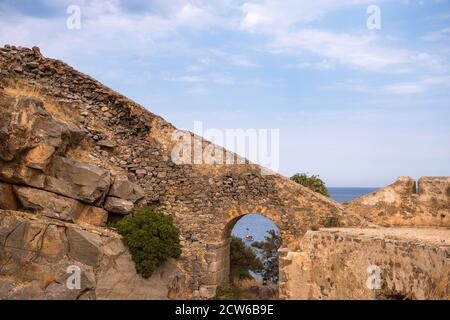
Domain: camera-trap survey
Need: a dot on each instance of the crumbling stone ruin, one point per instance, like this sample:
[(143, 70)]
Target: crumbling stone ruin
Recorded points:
[(74, 154)]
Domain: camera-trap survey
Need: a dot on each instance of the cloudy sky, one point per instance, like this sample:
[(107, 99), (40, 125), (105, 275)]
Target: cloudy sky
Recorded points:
[(357, 106)]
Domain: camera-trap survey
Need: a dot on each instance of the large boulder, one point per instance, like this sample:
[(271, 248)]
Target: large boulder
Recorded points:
[(82, 181), (124, 189), (92, 215), (84, 246), (19, 173), (120, 206), (48, 204), (26, 125), (59, 207)]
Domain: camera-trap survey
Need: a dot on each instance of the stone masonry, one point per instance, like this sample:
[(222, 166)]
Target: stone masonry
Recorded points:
[(333, 263)]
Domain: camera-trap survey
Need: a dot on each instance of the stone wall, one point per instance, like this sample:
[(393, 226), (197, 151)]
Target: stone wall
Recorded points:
[(332, 264), (124, 139), (408, 204)]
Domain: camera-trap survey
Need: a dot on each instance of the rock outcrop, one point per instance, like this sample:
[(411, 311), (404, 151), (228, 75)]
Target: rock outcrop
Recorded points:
[(50, 206), (38, 177), (38, 256), (405, 204)]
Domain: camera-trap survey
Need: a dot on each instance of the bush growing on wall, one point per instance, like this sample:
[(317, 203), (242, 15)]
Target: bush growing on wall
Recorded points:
[(151, 238), (312, 182)]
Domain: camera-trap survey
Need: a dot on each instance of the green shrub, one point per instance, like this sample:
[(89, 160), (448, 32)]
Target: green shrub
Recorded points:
[(332, 222), (151, 238), (312, 182), (227, 292)]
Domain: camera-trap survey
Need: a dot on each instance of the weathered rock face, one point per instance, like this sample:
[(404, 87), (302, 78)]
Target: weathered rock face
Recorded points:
[(82, 181), (401, 204), (27, 130), (34, 145), (124, 189), (59, 207), (119, 206), (7, 197), (60, 201), (37, 255), (334, 264)]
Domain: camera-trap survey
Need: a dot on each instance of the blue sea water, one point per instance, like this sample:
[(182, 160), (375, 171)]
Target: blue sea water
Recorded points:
[(348, 194), (258, 225)]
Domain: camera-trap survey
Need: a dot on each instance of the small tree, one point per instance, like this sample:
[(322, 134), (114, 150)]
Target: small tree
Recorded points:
[(312, 182), (269, 252), (151, 238), (242, 259)]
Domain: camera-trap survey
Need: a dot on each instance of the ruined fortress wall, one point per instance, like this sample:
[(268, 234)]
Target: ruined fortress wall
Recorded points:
[(333, 264), (124, 139), (406, 203)]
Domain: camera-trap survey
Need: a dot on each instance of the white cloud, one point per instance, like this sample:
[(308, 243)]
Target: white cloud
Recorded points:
[(195, 68), (397, 88), (317, 65), (186, 79), (275, 16), (358, 51), (221, 79), (404, 88), (439, 35), (285, 26), (242, 61)]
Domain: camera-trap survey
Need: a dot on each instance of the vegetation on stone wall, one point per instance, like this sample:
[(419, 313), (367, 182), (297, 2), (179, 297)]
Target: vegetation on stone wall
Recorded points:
[(151, 238), (242, 260), (312, 182), (332, 222), (227, 292)]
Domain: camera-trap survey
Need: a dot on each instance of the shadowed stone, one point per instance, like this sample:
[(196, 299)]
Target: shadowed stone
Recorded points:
[(81, 181), (84, 246), (119, 206), (49, 204), (7, 198), (124, 189)]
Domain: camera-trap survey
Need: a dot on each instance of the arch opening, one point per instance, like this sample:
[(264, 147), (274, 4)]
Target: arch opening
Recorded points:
[(253, 271)]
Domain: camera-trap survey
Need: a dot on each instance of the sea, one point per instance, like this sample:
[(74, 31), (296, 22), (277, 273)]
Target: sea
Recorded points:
[(257, 225)]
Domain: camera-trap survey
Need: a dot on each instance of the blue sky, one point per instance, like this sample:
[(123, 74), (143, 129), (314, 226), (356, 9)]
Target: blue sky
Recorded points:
[(359, 107)]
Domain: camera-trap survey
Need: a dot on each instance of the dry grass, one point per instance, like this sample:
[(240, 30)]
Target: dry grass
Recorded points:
[(81, 153), (246, 284), (58, 110), (441, 292)]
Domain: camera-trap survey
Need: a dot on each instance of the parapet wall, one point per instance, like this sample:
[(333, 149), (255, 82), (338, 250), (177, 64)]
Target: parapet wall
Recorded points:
[(413, 263), (406, 203)]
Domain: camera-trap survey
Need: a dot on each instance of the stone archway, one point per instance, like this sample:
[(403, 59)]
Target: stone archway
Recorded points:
[(258, 226), (218, 252)]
